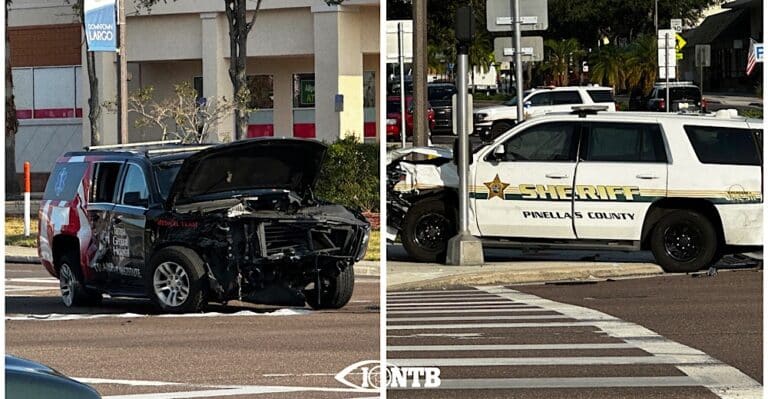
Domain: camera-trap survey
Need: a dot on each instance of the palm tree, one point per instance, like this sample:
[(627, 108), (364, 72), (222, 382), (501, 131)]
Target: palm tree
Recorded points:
[(480, 55), (608, 66), (559, 54), (642, 66)]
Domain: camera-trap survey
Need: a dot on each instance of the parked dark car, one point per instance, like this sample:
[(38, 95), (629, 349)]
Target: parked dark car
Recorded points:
[(187, 225), (440, 97), (683, 96), (25, 379)]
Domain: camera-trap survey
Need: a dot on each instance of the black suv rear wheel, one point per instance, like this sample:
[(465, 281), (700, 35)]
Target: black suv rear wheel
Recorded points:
[(175, 280), (73, 292), (684, 241)]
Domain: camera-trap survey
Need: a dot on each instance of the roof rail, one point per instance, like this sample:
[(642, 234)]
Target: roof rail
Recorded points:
[(584, 110), (178, 149), (141, 144)]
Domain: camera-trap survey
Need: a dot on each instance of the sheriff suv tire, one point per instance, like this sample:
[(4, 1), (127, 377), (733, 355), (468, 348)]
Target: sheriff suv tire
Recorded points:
[(684, 241), (73, 292), (175, 280), (428, 226), (335, 291)]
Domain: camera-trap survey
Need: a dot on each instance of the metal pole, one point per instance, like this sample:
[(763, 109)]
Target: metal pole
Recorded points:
[(461, 121), (656, 15), (518, 60), (401, 57), (666, 68), (122, 76), (420, 123)]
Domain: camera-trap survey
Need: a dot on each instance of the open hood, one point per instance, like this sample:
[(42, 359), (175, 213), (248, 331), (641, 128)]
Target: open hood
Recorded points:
[(243, 167)]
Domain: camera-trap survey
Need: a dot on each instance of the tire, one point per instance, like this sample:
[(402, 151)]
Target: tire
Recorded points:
[(500, 128), (428, 226), (175, 280), (684, 241), (73, 291), (336, 291)]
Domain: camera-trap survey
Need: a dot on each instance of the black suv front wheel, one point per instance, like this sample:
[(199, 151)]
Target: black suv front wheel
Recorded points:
[(175, 280), (335, 292)]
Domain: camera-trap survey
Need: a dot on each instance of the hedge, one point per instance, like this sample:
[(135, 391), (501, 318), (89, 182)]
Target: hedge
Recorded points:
[(350, 175)]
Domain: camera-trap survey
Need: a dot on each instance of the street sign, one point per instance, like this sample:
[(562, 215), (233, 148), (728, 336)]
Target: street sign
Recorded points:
[(663, 73), (669, 59), (533, 15), (670, 35), (679, 42), (532, 48), (703, 53), (759, 52), (676, 25), (392, 48)]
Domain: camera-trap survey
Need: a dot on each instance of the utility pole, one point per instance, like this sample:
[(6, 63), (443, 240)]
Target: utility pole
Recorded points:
[(464, 249), (518, 60), (122, 85), (420, 127)]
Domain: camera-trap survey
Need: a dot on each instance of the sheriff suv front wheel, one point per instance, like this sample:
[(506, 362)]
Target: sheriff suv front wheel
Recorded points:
[(335, 292), (684, 241), (73, 292), (175, 280), (428, 227)]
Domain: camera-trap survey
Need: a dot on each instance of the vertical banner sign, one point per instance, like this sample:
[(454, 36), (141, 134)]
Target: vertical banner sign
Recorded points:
[(100, 26)]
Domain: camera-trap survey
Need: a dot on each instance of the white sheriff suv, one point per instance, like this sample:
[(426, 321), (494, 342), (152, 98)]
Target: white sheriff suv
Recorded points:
[(686, 187), (539, 101)]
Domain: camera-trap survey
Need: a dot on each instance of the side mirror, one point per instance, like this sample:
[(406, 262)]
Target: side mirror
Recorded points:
[(527, 104), (133, 198)]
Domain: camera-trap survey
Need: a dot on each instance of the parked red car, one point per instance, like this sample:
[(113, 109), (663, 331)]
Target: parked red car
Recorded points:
[(393, 117)]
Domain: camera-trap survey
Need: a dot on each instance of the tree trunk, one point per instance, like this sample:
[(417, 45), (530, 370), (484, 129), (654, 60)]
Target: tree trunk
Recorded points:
[(94, 108), (11, 122), (239, 27)]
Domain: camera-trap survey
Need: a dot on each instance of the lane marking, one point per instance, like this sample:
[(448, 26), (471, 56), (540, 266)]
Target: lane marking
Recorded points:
[(500, 309), (510, 347), (69, 317), (503, 306), (491, 325), (447, 303), (551, 361), (39, 280), (407, 293), (446, 335), (721, 379), (442, 297), (570, 382), (463, 318)]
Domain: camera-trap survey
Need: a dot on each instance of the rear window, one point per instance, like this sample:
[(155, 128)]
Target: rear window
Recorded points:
[(64, 181), (729, 146), (677, 93), (601, 96), (440, 93)]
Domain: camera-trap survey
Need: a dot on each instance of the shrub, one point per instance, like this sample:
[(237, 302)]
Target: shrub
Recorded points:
[(756, 113), (350, 175)]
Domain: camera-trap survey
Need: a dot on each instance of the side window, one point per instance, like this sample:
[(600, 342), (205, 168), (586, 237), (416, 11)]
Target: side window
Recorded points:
[(722, 145), (541, 99), (625, 142), (104, 181), (64, 181), (134, 186), (544, 142), (566, 97)]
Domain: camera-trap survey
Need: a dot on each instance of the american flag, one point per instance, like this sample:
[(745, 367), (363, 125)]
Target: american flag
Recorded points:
[(751, 58)]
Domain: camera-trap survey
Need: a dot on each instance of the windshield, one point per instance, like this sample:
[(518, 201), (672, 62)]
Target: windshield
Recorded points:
[(165, 174), (440, 93)]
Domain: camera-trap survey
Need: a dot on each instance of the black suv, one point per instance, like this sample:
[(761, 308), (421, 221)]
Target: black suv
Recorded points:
[(683, 96), (440, 97), (187, 225)]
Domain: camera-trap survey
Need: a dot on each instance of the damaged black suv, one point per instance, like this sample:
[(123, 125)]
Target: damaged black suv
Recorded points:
[(186, 226)]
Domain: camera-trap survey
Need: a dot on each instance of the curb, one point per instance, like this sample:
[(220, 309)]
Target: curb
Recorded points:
[(21, 259), (368, 268), (497, 277)]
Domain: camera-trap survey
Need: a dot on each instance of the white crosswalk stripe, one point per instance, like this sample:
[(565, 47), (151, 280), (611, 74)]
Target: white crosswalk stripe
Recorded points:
[(472, 313)]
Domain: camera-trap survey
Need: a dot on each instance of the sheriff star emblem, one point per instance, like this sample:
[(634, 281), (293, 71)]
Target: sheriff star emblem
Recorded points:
[(496, 187)]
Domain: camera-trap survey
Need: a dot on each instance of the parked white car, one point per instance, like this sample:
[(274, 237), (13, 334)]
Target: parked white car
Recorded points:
[(687, 187), (500, 118)]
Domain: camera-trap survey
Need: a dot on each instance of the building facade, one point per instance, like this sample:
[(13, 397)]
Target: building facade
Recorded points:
[(303, 57)]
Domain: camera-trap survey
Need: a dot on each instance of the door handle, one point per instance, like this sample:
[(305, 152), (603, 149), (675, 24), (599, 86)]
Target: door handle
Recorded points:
[(647, 177), (555, 176)]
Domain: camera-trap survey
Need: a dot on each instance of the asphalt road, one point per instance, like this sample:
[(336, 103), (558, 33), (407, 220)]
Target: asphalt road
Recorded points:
[(125, 349), (671, 336)]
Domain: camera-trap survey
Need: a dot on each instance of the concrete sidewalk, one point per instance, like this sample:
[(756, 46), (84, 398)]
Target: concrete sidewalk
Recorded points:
[(16, 254), (513, 267)]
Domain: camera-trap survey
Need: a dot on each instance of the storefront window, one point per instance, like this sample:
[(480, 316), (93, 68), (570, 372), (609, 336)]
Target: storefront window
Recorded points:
[(369, 89), (262, 89), (304, 90)]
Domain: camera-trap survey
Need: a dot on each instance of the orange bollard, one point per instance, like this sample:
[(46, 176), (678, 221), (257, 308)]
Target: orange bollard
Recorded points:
[(27, 199)]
